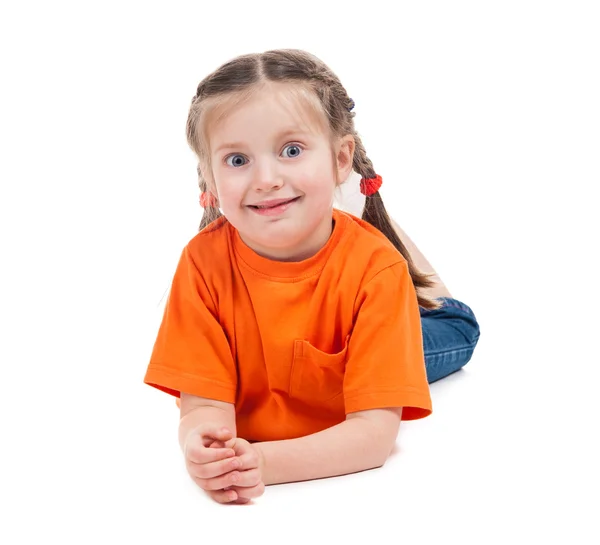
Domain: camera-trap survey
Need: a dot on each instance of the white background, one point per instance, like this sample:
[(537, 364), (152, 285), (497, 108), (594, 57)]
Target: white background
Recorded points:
[(483, 119)]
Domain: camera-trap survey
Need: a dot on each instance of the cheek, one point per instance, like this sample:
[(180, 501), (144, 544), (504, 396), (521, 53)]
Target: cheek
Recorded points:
[(320, 186), (226, 191), (230, 198)]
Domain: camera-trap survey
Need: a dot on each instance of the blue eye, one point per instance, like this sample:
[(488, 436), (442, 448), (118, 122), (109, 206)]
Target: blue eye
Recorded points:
[(294, 146), (237, 162), (238, 159)]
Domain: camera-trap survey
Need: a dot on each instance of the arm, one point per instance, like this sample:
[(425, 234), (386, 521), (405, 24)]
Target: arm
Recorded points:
[(200, 410), (363, 441), (385, 368)]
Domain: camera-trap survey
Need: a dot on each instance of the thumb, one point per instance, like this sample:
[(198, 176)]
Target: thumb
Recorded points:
[(212, 432)]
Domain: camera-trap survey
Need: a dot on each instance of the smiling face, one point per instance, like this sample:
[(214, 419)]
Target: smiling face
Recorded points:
[(274, 172)]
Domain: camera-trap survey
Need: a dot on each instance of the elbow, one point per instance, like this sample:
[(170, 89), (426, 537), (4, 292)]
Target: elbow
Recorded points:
[(379, 463), (382, 445), (386, 443), (383, 458), (375, 462), (380, 430)]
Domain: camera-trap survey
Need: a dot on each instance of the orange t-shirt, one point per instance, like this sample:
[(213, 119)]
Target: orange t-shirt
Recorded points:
[(294, 345)]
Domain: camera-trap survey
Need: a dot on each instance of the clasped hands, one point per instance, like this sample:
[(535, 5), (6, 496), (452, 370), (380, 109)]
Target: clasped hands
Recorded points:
[(229, 469)]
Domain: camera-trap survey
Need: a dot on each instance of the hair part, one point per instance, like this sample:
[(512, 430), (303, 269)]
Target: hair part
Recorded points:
[(321, 94)]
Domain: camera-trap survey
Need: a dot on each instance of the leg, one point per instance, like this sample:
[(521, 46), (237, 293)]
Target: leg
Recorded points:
[(439, 290), (450, 335), (451, 332)]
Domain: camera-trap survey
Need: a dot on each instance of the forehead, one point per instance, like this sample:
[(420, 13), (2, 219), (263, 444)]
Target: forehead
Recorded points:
[(274, 108)]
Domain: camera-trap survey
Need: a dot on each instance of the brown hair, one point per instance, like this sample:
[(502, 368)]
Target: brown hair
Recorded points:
[(317, 87)]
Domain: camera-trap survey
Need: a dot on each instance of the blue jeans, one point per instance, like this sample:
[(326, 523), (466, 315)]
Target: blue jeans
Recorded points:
[(449, 337)]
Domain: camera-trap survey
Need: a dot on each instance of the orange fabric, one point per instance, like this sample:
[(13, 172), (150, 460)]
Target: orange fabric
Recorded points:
[(294, 345)]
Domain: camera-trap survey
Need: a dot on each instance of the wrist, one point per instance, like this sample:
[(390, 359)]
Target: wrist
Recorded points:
[(261, 462)]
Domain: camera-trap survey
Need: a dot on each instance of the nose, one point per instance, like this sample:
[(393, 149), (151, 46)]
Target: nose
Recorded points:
[(267, 177)]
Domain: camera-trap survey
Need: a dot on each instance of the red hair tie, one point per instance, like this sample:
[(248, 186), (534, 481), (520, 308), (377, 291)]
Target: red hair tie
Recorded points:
[(208, 200), (368, 186)]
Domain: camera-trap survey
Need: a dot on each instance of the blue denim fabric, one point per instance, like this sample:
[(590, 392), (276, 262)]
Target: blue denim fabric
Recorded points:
[(450, 335)]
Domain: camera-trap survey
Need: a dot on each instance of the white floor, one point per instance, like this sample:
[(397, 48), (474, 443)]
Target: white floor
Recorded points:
[(509, 455), (482, 120)]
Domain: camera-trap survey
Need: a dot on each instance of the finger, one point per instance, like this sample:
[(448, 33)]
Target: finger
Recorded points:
[(212, 469), (249, 493), (211, 432), (218, 483), (223, 496), (240, 500), (218, 444), (207, 434), (199, 438), (248, 459), (204, 455), (196, 452), (249, 478)]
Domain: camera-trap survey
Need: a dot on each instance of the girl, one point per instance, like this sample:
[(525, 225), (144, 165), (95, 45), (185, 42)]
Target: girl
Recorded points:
[(296, 336)]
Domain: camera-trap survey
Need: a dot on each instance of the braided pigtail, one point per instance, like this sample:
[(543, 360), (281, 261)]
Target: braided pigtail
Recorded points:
[(208, 202), (375, 213)]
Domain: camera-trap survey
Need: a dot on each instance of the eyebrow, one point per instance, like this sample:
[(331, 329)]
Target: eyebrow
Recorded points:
[(282, 134)]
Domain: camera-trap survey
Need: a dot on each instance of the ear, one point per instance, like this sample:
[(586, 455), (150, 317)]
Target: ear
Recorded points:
[(344, 157)]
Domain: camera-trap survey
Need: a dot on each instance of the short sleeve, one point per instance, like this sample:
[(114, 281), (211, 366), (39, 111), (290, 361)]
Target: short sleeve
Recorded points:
[(386, 364), (191, 353)]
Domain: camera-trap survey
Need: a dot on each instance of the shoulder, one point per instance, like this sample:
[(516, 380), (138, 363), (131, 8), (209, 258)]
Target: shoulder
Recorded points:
[(365, 247), (211, 245)]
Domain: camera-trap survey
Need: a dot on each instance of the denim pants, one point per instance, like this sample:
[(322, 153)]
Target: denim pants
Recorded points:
[(450, 334)]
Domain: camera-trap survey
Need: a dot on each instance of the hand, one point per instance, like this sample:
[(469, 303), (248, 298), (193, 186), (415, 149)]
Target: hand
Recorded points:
[(250, 484), (213, 469)]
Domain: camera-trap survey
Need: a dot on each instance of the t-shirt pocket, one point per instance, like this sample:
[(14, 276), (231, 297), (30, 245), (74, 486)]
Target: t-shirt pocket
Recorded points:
[(317, 376)]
